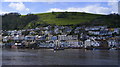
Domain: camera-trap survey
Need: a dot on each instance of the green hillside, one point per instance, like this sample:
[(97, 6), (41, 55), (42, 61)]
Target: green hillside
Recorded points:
[(67, 18), (17, 21), (70, 18), (63, 18)]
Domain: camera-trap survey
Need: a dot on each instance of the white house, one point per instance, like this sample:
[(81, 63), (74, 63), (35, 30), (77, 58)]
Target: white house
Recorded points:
[(62, 37), (91, 42), (5, 38), (73, 43), (87, 43)]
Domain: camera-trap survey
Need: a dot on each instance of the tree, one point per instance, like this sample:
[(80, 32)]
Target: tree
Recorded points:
[(62, 15), (12, 21)]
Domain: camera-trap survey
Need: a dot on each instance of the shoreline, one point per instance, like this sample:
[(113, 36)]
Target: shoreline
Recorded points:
[(88, 48)]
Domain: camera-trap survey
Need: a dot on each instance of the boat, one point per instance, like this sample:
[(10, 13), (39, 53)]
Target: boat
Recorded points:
[(102, 48), (113, 48), (58, 48), (97, 48)]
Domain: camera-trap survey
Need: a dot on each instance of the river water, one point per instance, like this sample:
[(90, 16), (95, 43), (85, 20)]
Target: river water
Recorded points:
[(62, 57)]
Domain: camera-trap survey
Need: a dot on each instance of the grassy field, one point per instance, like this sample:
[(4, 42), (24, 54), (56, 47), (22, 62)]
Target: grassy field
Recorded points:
[(13, 21), (72, 18)]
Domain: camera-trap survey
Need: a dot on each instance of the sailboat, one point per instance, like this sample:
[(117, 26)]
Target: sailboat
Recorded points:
[(58, 48)]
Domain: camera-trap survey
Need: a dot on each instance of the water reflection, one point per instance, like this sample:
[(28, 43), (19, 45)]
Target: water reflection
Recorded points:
[(63, 57)]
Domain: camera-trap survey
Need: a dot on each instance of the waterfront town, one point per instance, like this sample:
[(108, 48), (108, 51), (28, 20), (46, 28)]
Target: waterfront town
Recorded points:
[(62, 36)]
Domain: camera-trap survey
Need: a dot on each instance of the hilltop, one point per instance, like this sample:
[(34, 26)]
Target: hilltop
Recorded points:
[(65, 18), (17, 21)]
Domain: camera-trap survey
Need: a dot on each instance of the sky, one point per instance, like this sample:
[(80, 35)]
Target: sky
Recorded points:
[(39, 6)]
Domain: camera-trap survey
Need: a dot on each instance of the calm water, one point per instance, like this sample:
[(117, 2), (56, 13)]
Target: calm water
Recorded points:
[(63, 57)]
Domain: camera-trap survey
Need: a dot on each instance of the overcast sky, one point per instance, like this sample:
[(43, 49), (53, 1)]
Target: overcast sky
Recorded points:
[(38, 6)]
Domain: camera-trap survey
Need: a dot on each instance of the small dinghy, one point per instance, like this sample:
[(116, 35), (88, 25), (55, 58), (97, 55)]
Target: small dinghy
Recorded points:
[(58, 48)]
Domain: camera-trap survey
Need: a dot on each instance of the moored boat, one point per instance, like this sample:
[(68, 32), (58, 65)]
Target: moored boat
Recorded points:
[(58, 48), (102, 48)]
